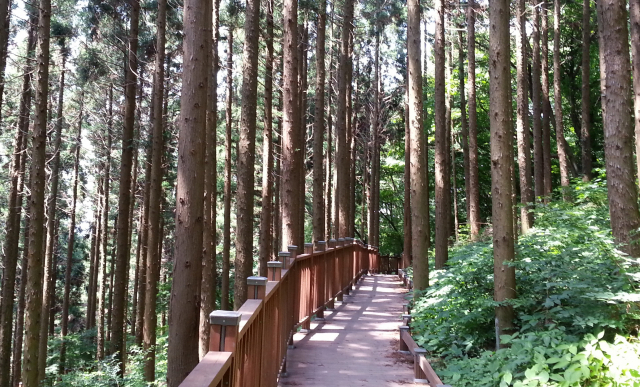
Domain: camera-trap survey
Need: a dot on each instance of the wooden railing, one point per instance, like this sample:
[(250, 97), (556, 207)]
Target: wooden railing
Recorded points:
[(249, 347)]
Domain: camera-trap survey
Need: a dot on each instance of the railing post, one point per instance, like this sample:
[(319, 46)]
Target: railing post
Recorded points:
[(274, 269), (256, 287), (403, 345), (322, 280), (293, 249), (340, 271), (224, 326), (283, 256), (332, 243), (419, 375), (331, 268), (308, 248)]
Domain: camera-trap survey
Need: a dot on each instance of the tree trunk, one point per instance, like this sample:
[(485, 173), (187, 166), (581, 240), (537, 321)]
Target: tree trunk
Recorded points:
[(374, 187), (474, 183), (536, 100), (464, 131), (318, 128), (64, 323), (443, 180), (634, 19), (118, 344), (615, 86), (563, 152), (209, 284), (226, 235), (101, 334), (302, 117), (12, 236), (246, 153), (5, 13), (407, 258), (95, 259), (291, 141), (184, 314), (31, 377), (155, 196), (342, 148), (19, 334), (501, 143), (522, 126), (585, 139), (329, 188), (546, 105), (418, 149)]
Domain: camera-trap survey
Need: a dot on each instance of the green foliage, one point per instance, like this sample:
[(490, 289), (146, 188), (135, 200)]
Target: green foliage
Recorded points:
[(572, 284)]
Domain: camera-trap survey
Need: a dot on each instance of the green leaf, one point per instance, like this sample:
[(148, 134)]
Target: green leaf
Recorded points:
[(553, 360), (543, 376), (530, 373), (557, 377), (561, 364), (507, 377)]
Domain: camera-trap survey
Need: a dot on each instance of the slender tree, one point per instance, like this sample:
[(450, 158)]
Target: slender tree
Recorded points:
[(209, 284), (246, 153), (536, 100), (442, 176), (546, 105), (615, 86), (501, 143), (117, 343), (522, 130), (318, 128), (474, 183), (585, 139), (291, 141), (226, 234), (155, 193), (563, 151), (64, 323), (33, 310), (419, 182), (184, 313)]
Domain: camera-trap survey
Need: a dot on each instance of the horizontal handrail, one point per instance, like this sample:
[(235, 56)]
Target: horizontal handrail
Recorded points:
[(248, 347)]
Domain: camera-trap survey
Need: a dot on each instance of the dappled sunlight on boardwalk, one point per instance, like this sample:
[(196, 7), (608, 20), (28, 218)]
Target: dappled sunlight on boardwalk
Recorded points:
[(357, 343)]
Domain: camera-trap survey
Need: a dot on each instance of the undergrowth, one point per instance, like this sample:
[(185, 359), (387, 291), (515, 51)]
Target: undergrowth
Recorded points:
[(577, 306)]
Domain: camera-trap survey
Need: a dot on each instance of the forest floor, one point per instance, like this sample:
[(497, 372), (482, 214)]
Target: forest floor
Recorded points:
[(357, 344)]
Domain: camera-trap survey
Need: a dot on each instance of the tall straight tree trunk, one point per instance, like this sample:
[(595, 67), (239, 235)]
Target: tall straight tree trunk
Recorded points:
[(155, 196), (12, 236), (501, 144), (291, 141), (5, 12), (563, 152), (342, 149), (585, 139), (419, 182), (93, 287), (303, 37), (464, 131), (52, 205), (318, 128), (246, 153), (634, 19), (17, 350), (522, 122), (209, 284), (474, 183), (266, 233), (64, 324), (31, 377), (406, 254), (546, 105), (277, 218), (124, 198), (226, 234), (329, 197), (184, 313), (536, 100), (374, 187), (615, 86), (443, 180), (353, 124)]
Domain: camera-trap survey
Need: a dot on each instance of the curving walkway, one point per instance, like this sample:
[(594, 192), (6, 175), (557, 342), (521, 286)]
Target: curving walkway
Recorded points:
[(357, 343)]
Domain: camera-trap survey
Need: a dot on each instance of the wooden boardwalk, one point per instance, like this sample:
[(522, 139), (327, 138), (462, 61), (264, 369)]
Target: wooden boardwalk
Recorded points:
[(357, 344)]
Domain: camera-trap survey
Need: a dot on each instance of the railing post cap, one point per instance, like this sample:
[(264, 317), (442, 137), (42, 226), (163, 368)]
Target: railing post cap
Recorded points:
[(406, 316), (292, 247), (308, 245), (420, 351), (349, 239), (404, 327), (274, 263), (321, 242), (332, 240), (284, 254), (340, 239), (225, 317), (255, 280)]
